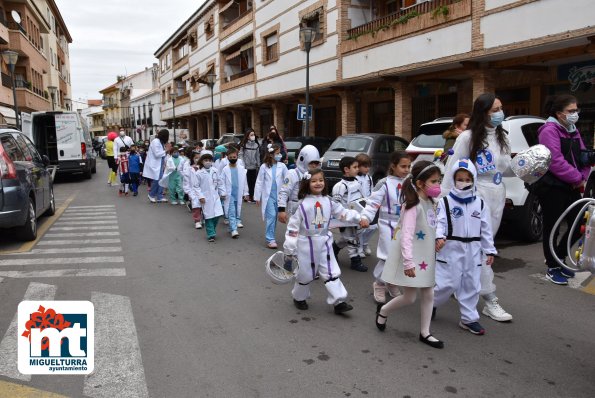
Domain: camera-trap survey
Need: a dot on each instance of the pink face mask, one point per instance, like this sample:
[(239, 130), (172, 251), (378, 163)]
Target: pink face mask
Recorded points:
[(433, 191)]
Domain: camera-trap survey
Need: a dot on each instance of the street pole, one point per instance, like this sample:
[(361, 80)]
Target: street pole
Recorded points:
[(173, 108), (306, 132), (14, 96), (212, 112), (144, 127)]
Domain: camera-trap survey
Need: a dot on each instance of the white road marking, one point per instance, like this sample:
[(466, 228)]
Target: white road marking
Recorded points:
[(90, 218), (90, 207), (85, 228), (8, 346), (72, 250), (76, 234), (64, 273), (575, 283), (91, 211), (77, 242), (82, 222), (62, 260), (119, 368)]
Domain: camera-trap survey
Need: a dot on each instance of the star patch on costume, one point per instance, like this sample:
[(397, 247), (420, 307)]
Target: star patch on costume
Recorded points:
[(420, 235), (423, 266)]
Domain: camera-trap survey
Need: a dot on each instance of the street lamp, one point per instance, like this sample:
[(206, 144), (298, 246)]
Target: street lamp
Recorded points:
[(151, 117), (10, 58), (210, 80), (52, 90), (174, 94), (307, 35)]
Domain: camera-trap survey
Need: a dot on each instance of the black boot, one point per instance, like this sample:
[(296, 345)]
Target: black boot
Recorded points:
[(342, 307), (356, 264), (300, 305)]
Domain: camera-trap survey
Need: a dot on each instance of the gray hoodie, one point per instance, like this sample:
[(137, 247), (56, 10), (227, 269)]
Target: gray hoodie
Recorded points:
[(250, 154)]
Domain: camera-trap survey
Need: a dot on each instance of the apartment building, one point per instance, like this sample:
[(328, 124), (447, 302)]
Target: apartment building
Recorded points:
[(375, 65)]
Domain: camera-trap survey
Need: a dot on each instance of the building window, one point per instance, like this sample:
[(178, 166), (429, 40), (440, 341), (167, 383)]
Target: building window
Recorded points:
[(314, 19), (238, 60), (168, 61), (181, 51), (270, 45), (231, 11), (209, 27)]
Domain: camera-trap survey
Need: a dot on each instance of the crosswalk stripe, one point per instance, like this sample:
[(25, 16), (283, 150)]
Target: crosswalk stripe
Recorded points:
[(119, 368), (83, 222), (77, 242), (89, 211), (64, 273), (91, 218), (77, 234), (90, 207), (63, 260), (72, 250), (89, 228), (8, 346)]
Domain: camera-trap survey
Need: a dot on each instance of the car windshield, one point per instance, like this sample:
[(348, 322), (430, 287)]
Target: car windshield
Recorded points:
[(430, 135), (351, 144)]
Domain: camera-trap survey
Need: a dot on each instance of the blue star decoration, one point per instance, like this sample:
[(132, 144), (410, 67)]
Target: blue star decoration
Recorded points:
[(420, 235)]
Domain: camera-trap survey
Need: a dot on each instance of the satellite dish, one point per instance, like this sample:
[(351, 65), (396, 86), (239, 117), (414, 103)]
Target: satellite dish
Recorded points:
[(15, 16)]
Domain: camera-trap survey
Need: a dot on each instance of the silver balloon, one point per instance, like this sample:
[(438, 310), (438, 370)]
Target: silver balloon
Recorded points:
[(532, 163)]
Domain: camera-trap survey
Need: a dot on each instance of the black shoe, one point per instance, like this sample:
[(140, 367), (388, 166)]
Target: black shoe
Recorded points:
[(433, 313), (300, 305), (356, 264), (336, 249), (435, 344), (342, 307), (380, 326)]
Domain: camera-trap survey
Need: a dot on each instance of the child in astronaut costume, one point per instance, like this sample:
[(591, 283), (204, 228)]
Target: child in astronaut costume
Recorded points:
[(345, 192), (309, 239), (308, 159), (464, 234), (386, 199)]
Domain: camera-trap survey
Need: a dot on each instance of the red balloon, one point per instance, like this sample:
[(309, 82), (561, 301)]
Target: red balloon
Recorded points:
[(112, 135)]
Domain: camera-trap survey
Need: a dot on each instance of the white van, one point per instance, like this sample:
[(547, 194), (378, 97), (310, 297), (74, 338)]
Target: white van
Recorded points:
[(65, 139)]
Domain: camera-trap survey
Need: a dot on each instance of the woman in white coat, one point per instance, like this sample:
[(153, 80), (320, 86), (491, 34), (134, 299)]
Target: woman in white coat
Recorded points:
[(486, 144), (270, 178), (155, 163)]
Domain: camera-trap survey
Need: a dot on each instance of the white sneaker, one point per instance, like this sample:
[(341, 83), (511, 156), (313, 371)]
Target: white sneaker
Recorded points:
[(235, 234), (495, 311), (225, 221), (240, 225), (174, 202), (152, 199), (198, 225), (182, 203), (367, 251), (162, 200)]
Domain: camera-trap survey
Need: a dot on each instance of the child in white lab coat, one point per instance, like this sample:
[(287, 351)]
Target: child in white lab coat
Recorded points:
[(233, 181), (209, 191)]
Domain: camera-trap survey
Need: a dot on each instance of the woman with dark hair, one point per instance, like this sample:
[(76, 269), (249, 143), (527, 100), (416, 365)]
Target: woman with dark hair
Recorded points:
[(486, 144), (459, 124), (560, 186), (250, 154), (154, 164), (273, 137)]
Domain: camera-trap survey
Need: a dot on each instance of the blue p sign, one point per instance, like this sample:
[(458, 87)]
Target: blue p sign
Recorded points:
[(301, 113)]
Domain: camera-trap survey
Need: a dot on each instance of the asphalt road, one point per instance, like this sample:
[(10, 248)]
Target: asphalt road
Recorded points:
[(179, 317)]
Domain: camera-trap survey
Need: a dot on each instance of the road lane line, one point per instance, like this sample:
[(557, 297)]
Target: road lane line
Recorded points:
[(64, 273), (72, 250), (8, 346), (119, 368), (76, 234), (77, 242), (92, 228), (42, 229), (91, 207), (62, 260)]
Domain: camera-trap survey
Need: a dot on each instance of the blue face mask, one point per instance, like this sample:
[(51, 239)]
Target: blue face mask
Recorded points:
[(497, 118), (278, 157), (175, 154)]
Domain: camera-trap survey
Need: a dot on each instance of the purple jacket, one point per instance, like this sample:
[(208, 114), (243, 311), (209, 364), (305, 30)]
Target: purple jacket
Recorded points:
[(549, 135)]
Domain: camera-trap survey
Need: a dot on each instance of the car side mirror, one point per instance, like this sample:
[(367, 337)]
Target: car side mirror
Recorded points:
[(46, 160)]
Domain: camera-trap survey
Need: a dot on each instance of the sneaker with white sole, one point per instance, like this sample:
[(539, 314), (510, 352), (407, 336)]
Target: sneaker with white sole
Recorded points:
[(362, 254), (555, 275), (182, 203), (198, 225), (173, 202), (162, 200), (379, 292), (225, 221), (495, 311), (152, 199), (240, 225), (473, 327), (235, 234)]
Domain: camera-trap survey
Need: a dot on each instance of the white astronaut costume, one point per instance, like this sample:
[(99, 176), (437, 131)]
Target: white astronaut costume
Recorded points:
[(385, 199), (288, 194), (367, 185), (491, 165), (464, 221), (309, 238), (344, 192)]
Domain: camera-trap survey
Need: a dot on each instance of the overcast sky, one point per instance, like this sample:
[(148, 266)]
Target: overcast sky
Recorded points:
[(117, 37)]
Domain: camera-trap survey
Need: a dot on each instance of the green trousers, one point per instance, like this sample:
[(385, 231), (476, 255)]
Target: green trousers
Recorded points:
[(211, 226)]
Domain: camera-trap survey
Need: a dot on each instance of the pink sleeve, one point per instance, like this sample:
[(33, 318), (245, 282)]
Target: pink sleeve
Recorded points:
[(408, 219)]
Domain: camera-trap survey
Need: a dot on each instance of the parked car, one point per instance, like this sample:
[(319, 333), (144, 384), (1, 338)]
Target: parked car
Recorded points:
[(227, 138), (65, 140), (522, 207), (378, 146), (295, 144), (209, 143), (98, 141), (26, 190)]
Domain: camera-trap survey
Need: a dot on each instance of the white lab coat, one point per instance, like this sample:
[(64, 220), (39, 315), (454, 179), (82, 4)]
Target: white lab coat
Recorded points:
[(120, 142), (288, 194), (264, 183), (153, 161), (209, 188), (221, 163), (225, 181), (192, 186), (170, 167)]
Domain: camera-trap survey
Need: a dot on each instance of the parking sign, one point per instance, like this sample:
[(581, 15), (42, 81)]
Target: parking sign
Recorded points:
[(301, 112)]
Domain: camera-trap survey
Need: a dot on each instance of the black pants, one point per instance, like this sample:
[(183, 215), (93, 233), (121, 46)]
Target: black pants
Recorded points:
[(111, 163), (554, 202), (251, 178)]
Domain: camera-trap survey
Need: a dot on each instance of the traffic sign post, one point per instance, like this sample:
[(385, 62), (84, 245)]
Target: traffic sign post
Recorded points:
[(301, 112)]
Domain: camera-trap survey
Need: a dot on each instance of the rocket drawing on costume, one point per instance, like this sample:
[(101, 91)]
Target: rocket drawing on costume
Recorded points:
[(398, 196), (318, 218)]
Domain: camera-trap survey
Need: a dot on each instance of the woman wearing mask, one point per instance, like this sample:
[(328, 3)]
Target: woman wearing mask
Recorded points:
[(274, 138), (459, 124), (250, 154), (155, 164), (486, 144), (561, 185)]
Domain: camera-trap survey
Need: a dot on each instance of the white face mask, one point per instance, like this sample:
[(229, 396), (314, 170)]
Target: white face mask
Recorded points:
[(252, 138), (122, 133), (207, 164), (463, 185), (572, 118)]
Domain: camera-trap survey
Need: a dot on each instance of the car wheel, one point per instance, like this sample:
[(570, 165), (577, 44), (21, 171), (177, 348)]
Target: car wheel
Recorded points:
[(94, 169), (531, 220), (52, 209), (88, 174), (28, 232)]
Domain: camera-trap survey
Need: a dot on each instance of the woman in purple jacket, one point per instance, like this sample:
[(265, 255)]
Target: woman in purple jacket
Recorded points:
[(561, 185)]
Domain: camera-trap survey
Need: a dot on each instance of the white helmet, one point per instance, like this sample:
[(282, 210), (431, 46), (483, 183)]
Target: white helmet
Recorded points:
[(281, 269), (308, 154)]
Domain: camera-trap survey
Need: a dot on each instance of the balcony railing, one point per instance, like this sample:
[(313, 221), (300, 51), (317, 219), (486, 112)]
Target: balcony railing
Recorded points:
[(243, 73), (437, 7), (6, 80)]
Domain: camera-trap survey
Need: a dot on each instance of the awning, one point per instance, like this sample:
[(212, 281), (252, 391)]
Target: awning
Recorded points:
[(312, 15), (233, 55), (225, 7), (203, 77), (186, 77), (246, 46), (8, 116)]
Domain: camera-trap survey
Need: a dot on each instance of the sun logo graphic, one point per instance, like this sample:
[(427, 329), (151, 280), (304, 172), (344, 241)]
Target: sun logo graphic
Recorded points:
[(56, 337)]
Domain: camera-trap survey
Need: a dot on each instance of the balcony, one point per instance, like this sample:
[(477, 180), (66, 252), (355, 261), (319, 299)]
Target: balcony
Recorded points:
[(4, 37), (29, 101), (238, 79), (20, 43), (407, 21), (230, 22), (183, 99), (6, 80)]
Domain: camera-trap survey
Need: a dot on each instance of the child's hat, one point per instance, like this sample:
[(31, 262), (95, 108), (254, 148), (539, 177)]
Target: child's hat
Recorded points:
[(221, 149), (464, 164)]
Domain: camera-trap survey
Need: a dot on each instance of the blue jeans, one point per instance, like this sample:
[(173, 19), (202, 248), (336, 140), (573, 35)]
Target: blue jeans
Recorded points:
[(156, 189), (270, 216), (232, 212)]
